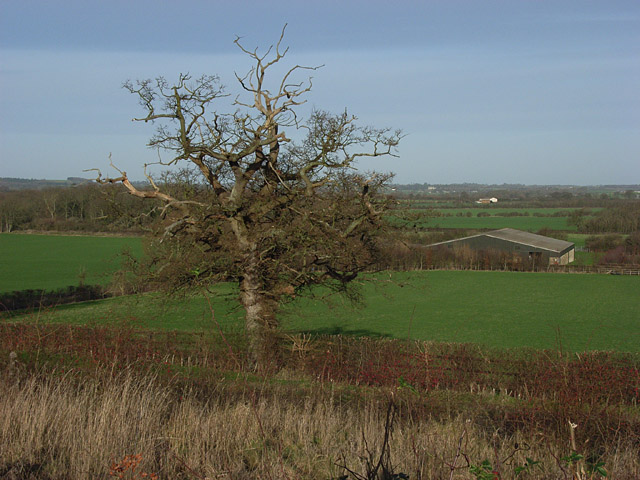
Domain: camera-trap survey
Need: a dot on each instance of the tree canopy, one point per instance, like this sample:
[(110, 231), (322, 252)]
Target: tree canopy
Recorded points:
[(279, 205)]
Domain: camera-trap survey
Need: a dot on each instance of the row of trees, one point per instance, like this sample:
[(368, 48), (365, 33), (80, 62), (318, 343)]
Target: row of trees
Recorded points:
[(87, 207), (83, 208), (623, 218), (615, 248), (522, 197)]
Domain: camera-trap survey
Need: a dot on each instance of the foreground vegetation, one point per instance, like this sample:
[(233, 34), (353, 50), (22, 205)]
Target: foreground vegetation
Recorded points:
[(98, 402)]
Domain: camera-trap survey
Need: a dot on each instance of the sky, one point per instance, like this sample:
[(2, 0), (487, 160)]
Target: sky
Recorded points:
[(485, 91)]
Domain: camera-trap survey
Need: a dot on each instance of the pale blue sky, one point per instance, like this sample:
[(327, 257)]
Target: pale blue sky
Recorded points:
[(543, 92)]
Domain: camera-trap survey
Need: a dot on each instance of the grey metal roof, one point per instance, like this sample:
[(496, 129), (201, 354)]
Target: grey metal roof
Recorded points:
[(519, 236), (531, 239)]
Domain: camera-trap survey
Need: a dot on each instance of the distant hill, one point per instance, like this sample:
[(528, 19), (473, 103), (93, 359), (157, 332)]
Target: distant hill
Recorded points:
[(484, 188), (9, 184), (12, 184)]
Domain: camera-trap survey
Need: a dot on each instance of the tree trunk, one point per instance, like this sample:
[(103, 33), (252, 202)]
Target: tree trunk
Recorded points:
[(260, 322)]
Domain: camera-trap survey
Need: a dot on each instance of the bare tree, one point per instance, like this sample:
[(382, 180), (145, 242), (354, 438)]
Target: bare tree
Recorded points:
[(277, 214)]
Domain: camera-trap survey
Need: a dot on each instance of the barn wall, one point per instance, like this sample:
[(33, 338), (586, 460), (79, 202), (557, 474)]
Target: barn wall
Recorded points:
[(482, 242), (485, 242), (566, 258)]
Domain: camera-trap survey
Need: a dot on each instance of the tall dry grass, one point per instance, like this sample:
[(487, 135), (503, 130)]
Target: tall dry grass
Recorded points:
[(67, 426)]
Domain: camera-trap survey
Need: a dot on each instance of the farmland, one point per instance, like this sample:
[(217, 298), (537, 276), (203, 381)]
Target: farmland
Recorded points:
[(496, 222), (530, 219), (54, 261), (496, 309), (98, 383)]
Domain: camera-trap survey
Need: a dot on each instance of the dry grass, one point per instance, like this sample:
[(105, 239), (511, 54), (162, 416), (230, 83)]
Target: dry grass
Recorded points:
[(70, 426)]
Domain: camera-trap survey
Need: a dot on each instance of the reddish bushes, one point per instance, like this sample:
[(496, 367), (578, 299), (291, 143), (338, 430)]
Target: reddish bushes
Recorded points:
[(532, 389)]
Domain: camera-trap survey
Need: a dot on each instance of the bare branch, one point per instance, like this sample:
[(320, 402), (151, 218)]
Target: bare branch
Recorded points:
[(273, 209), (155, 193)]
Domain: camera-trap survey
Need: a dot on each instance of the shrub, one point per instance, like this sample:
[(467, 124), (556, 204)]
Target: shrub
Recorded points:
[(602, 243)]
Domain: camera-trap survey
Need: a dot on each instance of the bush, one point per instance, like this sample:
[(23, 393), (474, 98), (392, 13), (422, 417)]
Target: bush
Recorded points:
[(619, 256), (603, 243), (632, 244)]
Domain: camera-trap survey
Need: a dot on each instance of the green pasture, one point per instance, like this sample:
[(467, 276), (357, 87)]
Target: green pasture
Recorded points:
[(55, 261), (531, 224), (493, 210), (498, 309), (458, 218), (579, 239)]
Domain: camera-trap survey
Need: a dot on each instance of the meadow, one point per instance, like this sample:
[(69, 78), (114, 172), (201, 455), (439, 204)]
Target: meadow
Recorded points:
[(528, 223), (529, 219), (54, 261), (572, 312), (497, 309)]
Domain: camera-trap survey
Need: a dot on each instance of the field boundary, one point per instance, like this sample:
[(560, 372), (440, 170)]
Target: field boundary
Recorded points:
[(578, 269), (613, 269)]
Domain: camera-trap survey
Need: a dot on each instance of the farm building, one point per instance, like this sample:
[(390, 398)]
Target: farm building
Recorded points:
[(522, 244), (487, 201)]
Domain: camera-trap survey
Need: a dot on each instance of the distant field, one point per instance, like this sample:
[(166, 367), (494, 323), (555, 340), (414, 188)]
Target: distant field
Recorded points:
[(493, 210), (531, 224), (55, 261), (498, 309), (457, 218)]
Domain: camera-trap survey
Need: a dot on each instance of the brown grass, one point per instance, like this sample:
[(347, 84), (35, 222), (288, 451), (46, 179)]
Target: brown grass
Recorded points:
[(99, 402), (71, 426)]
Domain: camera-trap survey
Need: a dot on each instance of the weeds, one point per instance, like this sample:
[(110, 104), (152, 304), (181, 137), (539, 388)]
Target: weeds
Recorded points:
[(346, 408)]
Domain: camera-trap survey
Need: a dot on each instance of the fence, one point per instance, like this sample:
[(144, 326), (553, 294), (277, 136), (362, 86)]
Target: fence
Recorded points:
[(609, 269)]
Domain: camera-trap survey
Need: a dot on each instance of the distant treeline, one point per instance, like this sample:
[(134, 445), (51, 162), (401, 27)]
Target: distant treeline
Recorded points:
[(617, 249), (110, 208), (9, 184), (91, 207), (623, 217), (82, 208), (525, 197)]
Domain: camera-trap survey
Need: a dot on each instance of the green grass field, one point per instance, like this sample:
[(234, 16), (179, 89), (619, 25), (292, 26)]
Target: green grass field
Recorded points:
[(497, 309), (501, 309), (530, 223), (493, 210), (54, 261)]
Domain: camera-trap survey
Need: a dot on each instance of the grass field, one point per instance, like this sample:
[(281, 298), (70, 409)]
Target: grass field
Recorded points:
[(492, 210), (497, 309), (53, 261), (457, 218), (528, 223), (531, 224)]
